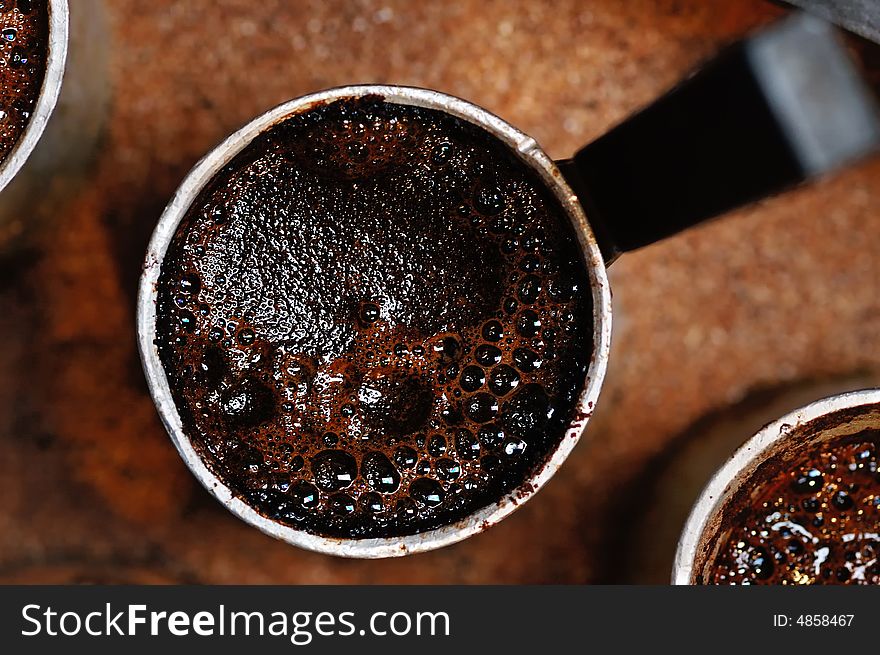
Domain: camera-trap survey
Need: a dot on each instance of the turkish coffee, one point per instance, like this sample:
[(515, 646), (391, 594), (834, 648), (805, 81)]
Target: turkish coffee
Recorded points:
[(374, 320)]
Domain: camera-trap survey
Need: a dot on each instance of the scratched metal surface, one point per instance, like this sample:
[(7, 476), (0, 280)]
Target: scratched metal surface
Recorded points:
[(860, 16)]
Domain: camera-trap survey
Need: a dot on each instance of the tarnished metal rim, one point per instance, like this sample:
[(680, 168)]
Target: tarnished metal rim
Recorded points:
[(55, 62), (767, 442), (529, 151)]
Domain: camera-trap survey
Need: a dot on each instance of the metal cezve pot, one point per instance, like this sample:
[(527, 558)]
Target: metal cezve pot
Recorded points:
[(820, 422), (768, 113), (55, 61)]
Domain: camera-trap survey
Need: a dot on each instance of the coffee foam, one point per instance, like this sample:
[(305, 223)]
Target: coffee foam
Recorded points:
[(813, 520), (24, 39), (375, 320)]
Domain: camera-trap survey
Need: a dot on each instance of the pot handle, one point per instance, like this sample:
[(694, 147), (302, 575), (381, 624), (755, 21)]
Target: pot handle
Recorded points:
[(771, 111)]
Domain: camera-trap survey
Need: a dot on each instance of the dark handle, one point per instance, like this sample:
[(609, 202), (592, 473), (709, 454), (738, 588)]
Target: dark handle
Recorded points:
[(776, 109)]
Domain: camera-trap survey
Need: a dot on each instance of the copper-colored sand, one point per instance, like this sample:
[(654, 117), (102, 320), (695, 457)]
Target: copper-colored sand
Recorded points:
[(782, 292)]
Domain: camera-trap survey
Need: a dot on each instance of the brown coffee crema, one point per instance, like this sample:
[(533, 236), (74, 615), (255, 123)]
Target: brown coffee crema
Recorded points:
[(24, 41), (814, 520), (375, 320)]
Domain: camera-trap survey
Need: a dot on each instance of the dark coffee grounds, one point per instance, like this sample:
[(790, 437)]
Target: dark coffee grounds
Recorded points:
[(814, 522), (375, 320), (24, 39)]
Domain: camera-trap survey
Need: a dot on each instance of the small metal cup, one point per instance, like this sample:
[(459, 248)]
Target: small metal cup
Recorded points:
[(528, 151), (636, 186), (55, 61), (705, 531)]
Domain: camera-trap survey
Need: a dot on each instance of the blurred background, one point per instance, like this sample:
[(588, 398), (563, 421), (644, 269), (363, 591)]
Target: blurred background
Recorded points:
[(717, 331)]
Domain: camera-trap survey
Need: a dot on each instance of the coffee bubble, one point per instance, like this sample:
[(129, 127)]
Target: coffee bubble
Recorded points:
[(488, 355), (426, 491), (437, 445), (528, 323), (526, 360), (187, 321), (341, 504), (503, 380), (304, 494), (472, 378), (493, 331), (246, 337), (806, 518), (448, 469), (488, 200), (369, 313), (526, 414), (371, 502), (481, 407), (380, 473), (490, 436), (466, 445), (514, 447), (405, 457), (189, 284), (395, 402), (333, 469), (529, 289), (247, 403)]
